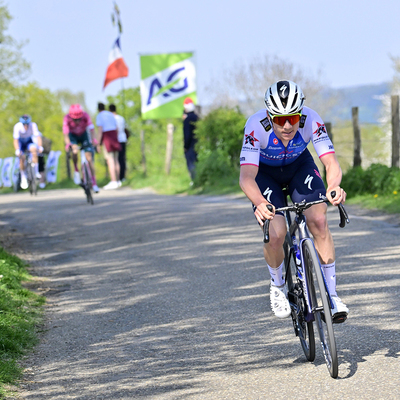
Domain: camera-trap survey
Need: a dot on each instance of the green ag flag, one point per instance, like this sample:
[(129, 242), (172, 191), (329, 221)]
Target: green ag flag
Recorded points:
[(166, 80)]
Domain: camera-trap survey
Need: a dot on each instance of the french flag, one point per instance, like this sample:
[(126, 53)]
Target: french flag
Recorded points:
[(116, 65)]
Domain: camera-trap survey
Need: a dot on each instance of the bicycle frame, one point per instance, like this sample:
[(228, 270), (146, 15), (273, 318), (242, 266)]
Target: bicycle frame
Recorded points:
[(299, 225)]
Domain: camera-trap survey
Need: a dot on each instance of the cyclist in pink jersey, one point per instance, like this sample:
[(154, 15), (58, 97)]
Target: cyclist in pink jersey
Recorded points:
[(78, 131), (275, 155)]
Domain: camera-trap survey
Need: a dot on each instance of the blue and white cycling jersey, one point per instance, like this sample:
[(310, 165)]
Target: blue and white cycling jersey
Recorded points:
[(261, 145)]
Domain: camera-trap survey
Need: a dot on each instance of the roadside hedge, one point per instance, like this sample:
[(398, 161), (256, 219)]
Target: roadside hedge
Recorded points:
[(376, 179)]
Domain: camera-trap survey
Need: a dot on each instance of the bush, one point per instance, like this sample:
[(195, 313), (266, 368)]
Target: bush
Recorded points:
[(212, 168), (220, 138), (376, 179)]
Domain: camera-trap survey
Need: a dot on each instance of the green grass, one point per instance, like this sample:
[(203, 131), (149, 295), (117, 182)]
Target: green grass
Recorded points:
[(20, 316), (387, 203)]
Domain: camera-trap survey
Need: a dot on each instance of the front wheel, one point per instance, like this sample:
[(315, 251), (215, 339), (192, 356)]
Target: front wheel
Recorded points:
[(302, 328), (87, 183), (321, 307), (32, 182)]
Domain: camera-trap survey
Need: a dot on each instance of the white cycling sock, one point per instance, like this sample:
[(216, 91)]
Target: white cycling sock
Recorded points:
[(277, 278), (330, 276)]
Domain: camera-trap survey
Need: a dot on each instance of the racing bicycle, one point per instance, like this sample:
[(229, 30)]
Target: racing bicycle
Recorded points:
[(308, 292), (30, 172), (86, 176)]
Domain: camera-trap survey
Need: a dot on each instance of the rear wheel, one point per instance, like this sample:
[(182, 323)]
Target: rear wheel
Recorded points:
[(87, 181), (321, 308), (303, 329)]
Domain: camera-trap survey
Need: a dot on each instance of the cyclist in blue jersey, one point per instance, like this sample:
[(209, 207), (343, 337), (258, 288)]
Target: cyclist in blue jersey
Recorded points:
[(26, 137), (275, 155)]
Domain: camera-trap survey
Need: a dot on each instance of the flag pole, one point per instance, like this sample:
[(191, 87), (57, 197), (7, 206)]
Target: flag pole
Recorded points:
[(123, 98)]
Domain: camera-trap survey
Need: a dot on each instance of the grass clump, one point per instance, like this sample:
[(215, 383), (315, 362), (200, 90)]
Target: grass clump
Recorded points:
[(20, 315)]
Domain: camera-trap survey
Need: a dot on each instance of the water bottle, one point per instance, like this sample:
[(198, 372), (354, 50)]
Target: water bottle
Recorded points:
[(298, 260)]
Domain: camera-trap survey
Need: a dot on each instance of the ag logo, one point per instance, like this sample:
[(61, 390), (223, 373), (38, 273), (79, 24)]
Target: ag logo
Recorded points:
[(176, 82)]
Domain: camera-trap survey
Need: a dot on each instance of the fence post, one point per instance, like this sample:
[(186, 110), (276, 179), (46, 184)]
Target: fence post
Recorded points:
[(328, 127), (357, 138), (395, 131), (170, 142)]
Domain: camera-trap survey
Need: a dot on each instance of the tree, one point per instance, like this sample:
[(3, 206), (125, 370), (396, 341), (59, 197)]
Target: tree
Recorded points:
[(41, 104), (386, 109), (66, 98), (13, 67), (244, 85)]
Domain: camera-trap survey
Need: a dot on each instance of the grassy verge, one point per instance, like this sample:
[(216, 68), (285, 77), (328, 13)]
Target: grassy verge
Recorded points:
[(386, 203), (20, 315)]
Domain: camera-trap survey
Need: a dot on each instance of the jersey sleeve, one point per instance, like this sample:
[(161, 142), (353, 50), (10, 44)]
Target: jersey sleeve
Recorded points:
[(35, 130), (320, 139), (16, 130), (250, 154), (89, 123), (65, 127)]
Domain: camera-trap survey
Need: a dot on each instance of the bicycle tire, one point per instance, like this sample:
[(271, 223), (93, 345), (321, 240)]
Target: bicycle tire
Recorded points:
[(17, 183), (302, 328), (321, 307), (87, 184), (32, 184)]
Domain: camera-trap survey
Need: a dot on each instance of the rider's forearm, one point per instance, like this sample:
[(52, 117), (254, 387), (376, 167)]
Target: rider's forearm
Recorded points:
[(251, 190), (333, 175), (16, 144)]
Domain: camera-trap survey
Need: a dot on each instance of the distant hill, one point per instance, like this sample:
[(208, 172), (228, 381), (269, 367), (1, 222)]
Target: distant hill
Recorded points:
[(365, 97)]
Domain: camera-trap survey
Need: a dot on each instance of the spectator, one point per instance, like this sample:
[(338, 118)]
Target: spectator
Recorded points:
[(122, 139), (189, 139), (42, 161), (107, 129)]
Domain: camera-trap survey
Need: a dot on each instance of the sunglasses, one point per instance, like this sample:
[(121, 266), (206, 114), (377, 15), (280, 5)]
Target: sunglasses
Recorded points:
[(281, 119)]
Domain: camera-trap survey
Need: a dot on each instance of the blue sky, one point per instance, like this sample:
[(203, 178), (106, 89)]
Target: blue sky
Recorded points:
[(350, 41)]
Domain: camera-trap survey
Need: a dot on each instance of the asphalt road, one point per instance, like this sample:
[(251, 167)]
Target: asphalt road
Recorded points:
[(167, 297)]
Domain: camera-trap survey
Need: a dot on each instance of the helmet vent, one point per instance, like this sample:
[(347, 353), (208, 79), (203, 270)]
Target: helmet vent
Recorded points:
[(273, 102), (295, 99)]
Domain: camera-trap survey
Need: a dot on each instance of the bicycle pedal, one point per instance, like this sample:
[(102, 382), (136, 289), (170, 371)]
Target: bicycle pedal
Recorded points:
[(339, 318)]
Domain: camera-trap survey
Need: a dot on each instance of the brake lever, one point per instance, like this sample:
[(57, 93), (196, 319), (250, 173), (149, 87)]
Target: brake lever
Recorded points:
[(344, 218), (266, 226)]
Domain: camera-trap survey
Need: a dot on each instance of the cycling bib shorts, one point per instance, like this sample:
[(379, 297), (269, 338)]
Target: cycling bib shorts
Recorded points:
[(302, 178)]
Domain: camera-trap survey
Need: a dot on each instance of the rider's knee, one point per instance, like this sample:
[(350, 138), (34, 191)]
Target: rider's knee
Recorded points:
[(318, 223), (276, 240)]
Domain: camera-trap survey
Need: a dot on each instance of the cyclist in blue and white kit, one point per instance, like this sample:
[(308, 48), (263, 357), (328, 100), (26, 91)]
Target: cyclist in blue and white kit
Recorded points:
[(274, 155), (27, 137)]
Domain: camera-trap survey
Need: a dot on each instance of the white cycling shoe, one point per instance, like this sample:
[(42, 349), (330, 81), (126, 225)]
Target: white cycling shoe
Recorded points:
[(96, 189), (279, 303), (77, 178), (24, 182), (339, 311)]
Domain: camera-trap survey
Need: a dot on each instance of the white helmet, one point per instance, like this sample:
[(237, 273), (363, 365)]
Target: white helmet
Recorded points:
[(284, 97)]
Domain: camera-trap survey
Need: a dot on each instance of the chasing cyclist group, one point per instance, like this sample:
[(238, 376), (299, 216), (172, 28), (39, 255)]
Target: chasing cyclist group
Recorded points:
[(79, 133), (274, 155)]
